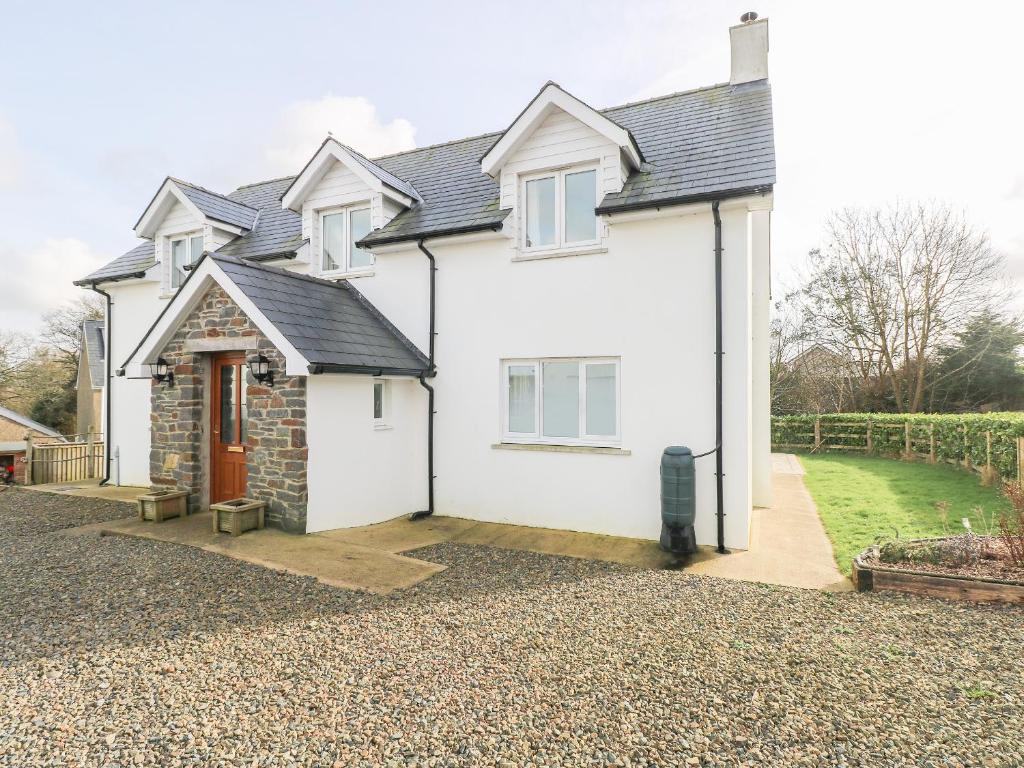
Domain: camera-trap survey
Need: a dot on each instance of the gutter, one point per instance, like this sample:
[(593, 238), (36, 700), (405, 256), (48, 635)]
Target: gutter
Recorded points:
[(370, 241), (317, 368), (713, 197), (90, 284), (431, 371), (108, 389)]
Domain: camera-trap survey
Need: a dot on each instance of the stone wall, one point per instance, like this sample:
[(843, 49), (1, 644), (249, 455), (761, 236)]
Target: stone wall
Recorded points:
[(276, 459)]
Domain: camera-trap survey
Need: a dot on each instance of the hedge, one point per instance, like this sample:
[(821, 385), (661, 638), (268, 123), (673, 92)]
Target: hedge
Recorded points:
[(956, 436)]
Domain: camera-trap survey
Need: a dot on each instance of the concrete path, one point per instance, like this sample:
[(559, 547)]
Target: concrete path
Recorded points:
[(331, 561), (788, 544), (90, 488)]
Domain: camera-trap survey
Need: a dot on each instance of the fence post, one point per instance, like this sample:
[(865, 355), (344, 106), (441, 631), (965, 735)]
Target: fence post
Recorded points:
[(89, 463), (817, 433), (907, 454), (967, 454), (1020, 460), (871, 441), (931, 443), (28, 459)]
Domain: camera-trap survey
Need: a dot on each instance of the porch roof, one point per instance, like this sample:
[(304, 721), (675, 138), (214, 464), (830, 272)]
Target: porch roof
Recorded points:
[(320, 326), (331, 324)]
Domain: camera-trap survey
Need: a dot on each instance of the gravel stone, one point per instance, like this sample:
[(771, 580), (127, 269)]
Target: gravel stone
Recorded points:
[(125, 652)]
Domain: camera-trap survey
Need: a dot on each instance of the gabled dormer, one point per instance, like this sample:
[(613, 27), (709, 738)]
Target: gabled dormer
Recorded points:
[(554, 164), (184, 221), (342, 196)]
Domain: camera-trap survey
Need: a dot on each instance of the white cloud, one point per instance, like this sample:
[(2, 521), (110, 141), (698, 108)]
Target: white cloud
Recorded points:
[(11, 160), (39, 279), (353, 120)]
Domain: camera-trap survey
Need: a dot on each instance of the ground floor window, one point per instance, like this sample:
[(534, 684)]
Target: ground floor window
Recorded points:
[(381, 403), (561, 401)]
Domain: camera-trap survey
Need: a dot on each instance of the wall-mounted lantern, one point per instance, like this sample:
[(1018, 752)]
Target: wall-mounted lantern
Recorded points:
[(161, 371), (259, 367)]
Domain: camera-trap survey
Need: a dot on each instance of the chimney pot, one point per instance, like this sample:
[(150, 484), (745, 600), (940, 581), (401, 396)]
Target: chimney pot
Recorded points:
[(749, 49)]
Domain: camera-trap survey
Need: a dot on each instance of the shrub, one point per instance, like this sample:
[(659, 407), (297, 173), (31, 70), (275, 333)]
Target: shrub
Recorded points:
[(1011, 524), (957, 435)]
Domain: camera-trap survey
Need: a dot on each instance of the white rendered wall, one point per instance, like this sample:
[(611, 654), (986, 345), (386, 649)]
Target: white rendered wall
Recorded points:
[(358, 474), (135, 307), (761, 438), (649, 301)]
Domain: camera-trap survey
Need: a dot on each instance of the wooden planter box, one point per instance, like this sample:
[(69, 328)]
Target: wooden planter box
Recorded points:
[(162, 505), (872, 575), (237, 516)]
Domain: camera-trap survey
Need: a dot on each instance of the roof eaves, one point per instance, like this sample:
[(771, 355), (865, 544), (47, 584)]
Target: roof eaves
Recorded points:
[(370, 241), (700, 197)]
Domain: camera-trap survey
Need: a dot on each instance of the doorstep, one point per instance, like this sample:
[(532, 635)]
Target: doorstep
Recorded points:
[(330, 561)]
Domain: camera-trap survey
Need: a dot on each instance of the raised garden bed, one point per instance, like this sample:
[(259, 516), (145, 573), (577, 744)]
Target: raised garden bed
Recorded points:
[(237, 516), (975, 568), (162, 505)]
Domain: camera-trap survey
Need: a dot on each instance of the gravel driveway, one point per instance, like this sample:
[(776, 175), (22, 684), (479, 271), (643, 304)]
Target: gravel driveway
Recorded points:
[(121, 652)]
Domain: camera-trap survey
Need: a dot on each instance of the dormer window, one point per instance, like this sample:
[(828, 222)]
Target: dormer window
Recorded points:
[(340, 231), (559, 209), (185, 250)]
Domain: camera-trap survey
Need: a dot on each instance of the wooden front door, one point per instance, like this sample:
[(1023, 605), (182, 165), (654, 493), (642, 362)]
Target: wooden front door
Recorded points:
[(230, 416)]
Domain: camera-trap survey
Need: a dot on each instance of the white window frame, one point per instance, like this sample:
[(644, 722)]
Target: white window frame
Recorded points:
[(384, 421), (345, 268), (169, 285), (559, 175), (537, 436)]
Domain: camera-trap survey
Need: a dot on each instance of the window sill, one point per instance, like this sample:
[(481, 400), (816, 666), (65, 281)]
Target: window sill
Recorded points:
[(545, 447), (345, 275), (381, 427), (559, 253)]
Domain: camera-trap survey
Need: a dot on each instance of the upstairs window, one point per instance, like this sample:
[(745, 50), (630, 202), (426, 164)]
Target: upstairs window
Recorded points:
[(381, 403), (559, 209), (561, 401), (184, 251), (340, 231)]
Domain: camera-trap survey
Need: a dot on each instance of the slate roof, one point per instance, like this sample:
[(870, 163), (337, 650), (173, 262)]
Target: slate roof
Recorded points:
[(25, 421), (131, 264), (329, 323), (707, 143), (384, 175), (278, 231), (219, 207), (92, 334), (699, 144)]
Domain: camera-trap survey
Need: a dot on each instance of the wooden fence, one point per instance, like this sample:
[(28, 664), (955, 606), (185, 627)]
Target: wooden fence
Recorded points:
[(918, 441), (77, 457)]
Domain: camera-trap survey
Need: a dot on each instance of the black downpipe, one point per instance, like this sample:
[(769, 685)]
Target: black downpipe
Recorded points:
[(431, 371), (108, 387), (718, 378)]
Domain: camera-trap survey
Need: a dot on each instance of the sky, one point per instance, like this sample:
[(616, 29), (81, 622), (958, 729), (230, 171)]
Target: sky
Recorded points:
[(873, 102)]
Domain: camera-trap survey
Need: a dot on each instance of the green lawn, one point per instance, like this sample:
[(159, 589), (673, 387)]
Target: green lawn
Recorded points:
[(860, 498)]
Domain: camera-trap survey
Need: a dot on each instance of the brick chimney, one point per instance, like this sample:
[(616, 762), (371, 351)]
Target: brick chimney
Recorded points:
[(749, 43)]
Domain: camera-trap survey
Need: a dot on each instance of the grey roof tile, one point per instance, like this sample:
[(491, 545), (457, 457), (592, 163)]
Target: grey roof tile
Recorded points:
[(92, 336), (697, 144), (329, 323), (219, 207), (135, 262)]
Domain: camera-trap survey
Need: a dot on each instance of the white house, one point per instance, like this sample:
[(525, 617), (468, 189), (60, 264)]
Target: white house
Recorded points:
[(550, 289)]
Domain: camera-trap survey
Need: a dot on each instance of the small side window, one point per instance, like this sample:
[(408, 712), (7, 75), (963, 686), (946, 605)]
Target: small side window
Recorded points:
[(381, 404)]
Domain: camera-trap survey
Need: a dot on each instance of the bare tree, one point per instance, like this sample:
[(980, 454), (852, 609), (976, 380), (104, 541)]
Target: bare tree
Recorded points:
[(892, 285), (14, 353), (62, 329)]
